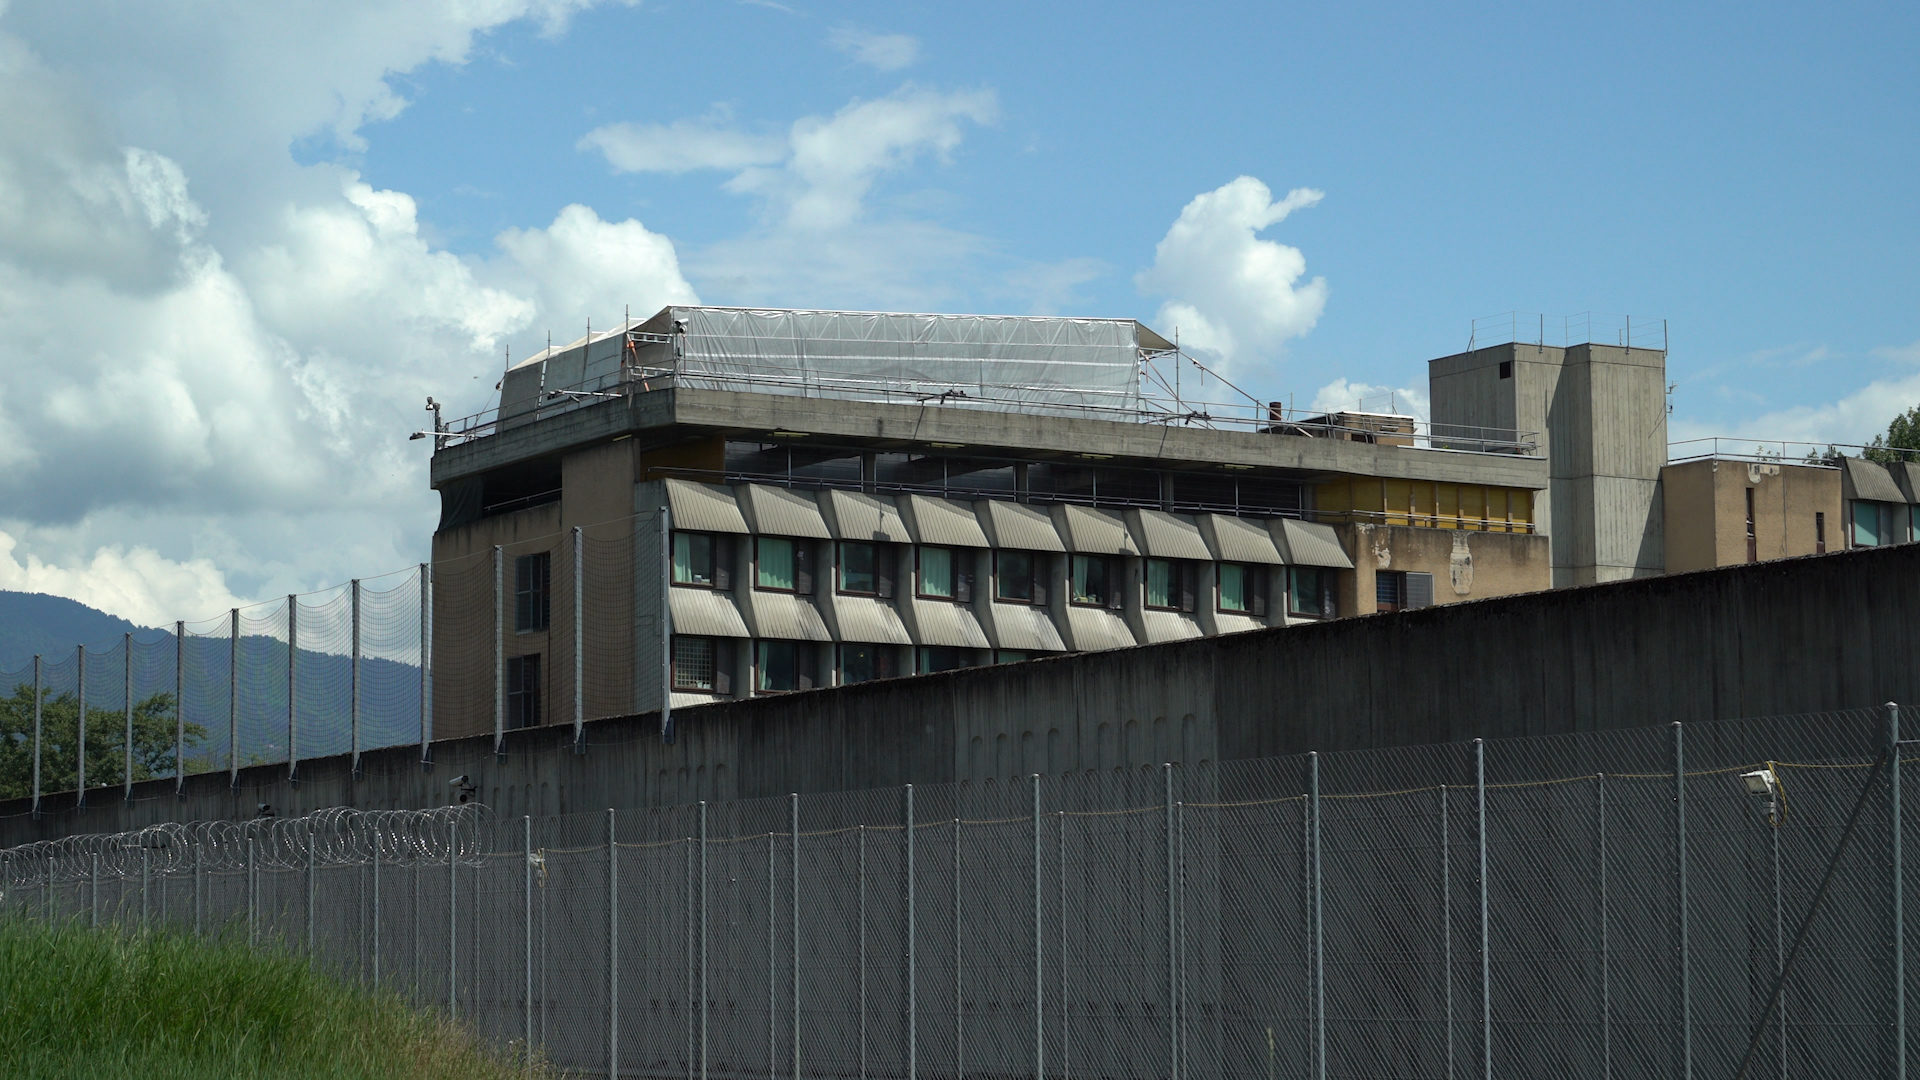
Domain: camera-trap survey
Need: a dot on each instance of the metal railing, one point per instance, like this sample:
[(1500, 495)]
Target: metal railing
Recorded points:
[(1566, 331), (1782, 452), (1721, 900)]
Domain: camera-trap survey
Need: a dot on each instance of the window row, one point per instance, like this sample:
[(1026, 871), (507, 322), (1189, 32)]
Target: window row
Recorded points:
[(709, 664), (782, 564)]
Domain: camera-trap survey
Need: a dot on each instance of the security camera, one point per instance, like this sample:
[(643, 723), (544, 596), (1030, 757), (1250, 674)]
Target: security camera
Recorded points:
[(264, 810), (458, 781), (463, 786)]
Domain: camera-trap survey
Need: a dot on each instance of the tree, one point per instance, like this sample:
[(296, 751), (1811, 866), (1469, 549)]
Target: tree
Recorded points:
[(1901, 441), (153, 741)]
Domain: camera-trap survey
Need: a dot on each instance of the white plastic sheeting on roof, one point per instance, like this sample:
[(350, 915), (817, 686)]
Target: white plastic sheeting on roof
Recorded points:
[(983, 361)]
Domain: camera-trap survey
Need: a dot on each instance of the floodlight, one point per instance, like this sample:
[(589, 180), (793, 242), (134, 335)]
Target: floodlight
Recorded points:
[(1759, 783)]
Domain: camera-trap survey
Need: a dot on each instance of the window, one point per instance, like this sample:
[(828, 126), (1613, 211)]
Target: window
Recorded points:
[(1019, 577), (782, 565), (780, 666), (1819, 532), (703, 664), (1310, 591), (1506, 369), (932, 658), (864, 663), (704, 560), (530, 601), (523, 690), (1243, 589), (866, 569), (1171, 584), (1397, 590), (943, 575), (1753, 539), (1872, 524), (1015, 656), (1095, 581)]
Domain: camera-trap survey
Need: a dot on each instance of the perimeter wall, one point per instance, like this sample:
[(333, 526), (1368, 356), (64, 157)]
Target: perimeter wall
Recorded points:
[(1793, 636)]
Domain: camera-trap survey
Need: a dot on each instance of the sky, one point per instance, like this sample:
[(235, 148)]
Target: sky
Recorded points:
[(241, 243)]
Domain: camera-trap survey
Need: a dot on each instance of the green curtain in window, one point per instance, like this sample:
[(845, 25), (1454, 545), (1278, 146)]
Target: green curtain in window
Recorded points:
[(776, 564), (1233, 587), (936, 572)]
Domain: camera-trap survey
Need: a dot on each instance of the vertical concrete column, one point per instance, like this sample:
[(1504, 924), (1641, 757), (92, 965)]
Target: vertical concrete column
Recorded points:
[(499, 650), (233, 698)]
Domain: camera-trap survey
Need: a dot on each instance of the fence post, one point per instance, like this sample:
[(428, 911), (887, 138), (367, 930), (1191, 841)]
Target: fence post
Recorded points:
[(199, 904), (500, 650), (353, 684), (526, 844), (293, 662), (36, 737), (1066, 1056), (1039, 992), (1685, 1032), (453, 917), (666, 623), (312, 831), (180, 709), (146, 867), (959, 972), (1173, 1007), (773, 965), (80, 735), (793, 830), (1319, 927), (692, 1054), (913, 1034), (861, 833), (126, 656), (93, 902), (379, 852), (1446, 926), (233, 698), (703, 940), (1895, 887), (1779, 938), (579, 641), (426, 665), (1486, 954), (613, 950), (1606, 960), (253, 890)]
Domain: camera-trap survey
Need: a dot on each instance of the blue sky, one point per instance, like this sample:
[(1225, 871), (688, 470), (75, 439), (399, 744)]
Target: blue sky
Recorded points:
[(315, 215)]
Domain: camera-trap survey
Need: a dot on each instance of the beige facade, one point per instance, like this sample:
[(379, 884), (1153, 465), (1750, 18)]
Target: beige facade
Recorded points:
[(1441, 565), (1722, 512)]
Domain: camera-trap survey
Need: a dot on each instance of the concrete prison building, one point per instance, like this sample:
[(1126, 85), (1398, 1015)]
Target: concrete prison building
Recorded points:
[(831, 497)]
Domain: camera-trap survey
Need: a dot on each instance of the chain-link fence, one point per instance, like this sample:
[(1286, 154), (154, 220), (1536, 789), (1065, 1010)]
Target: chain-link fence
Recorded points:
[(1722, 900)]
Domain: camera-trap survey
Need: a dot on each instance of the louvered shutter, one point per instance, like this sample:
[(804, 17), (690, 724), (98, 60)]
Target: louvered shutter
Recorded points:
[(1419, 590)]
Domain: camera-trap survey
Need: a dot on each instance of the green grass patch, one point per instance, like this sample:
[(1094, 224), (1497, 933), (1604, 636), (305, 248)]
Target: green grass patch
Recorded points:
[(160, 1005)]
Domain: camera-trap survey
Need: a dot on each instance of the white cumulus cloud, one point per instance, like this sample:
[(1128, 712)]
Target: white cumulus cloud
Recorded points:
[(683, 146), (884, 52), (1229, 291), (137, 584)]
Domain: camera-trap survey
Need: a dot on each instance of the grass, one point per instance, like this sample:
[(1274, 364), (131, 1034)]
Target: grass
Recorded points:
[(160, 1005)]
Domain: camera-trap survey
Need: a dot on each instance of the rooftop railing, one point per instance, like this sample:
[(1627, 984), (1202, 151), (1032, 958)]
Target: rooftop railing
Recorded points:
[(1782, 452)]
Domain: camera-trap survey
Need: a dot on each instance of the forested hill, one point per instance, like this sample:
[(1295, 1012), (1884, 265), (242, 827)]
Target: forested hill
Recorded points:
[(50, 626)]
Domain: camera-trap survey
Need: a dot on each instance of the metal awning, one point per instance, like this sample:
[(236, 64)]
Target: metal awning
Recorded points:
[(1091, 629), (1870, 480), (942, 521), (1239, 540), (778, 511), (852, 515), (1093, 532), (1309, 543), (863, 618), (784, 615), (937, 622), (704, 507), (1011, 525), (1168, 536), (1158, 626), (1023, 626), (705, 613)]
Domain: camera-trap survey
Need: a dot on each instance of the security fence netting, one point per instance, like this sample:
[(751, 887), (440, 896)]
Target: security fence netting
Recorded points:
[(1716, 901)]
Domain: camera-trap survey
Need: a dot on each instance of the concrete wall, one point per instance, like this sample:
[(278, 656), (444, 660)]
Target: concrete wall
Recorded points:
[(1706, 511), (1788, 636), (1465, 565)]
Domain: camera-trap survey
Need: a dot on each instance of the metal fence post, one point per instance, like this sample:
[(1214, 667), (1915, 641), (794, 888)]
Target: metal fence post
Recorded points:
[(773, 965), (199, 903), (666, 622), (233, 698), (80, 735), (379, 852), (180, 709), (913, 1044), (311, 837), (453, 916), (36, 736), (126, 656), (1319, 925), (613, 950), (793, 831), (703, 940), (1606, 959), (1066, 1054), (253, 890), (1446, 926), (861, 834), (353, 684), (1779, 938), (1486, 953), (146, 873), (1684, 1035), (93, 902), (1896, 885), (1039, 991), (1173, 1007), (293, 663), (959, 973), (579, 640), (526, 935)]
